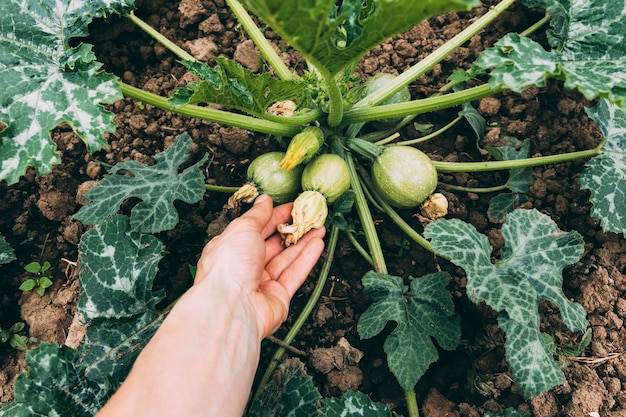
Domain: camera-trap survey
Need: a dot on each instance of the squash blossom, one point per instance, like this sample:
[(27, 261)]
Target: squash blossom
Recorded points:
[(302, 147)]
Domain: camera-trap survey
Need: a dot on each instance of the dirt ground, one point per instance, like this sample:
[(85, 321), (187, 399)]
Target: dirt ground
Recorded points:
[(470, 381)]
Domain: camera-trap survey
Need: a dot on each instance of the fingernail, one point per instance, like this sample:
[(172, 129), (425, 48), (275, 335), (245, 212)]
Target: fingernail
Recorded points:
[(260, 199)]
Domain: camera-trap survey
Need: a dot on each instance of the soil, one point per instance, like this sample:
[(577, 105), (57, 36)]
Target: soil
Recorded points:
[(470, 381)]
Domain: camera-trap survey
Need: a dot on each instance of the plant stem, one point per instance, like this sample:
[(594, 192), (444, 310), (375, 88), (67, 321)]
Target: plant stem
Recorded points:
[(536, 26), (156, 35), (308, 308), (431, 60), (415, 107), (335, 101), (411, 403), (367, 222), (260, 41), (475, 189), (220, 188), (355, 243), (426, 137), (514, 163), (214, 115)]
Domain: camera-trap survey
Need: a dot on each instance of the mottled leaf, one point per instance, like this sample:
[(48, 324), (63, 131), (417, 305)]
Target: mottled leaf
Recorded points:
[(333, 37), (530, 270), (589, 52), (605, 174), (291, 393), (7, 254), (532, 363), (354, 404), (509, 412), (45, 82), (519, 180), (421, 313), (230, 84), (55, 386), (158, 186), (117, 304)]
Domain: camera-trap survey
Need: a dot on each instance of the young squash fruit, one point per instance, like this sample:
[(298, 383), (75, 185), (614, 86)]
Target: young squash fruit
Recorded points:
[(404, 176), (266, 176), (324, 180), (379, 81)]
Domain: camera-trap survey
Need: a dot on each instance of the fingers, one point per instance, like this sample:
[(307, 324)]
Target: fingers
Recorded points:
[(294, 275), (281, 214), (277, 265)]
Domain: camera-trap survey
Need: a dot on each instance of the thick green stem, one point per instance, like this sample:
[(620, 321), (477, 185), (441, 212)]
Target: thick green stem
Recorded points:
[(214, 115), (411, 403), (156, 35), (367, 222), (476, 190), (431, 60), (220, 188), (260, 41), (335, 101), (306, 312), (514, 163), (415, 107)]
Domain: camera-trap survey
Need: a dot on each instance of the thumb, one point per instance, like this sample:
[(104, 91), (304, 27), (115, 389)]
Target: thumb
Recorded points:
[(261, 211)]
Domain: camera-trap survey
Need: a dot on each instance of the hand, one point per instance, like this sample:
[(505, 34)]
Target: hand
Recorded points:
[(249, 260), (203, 358)]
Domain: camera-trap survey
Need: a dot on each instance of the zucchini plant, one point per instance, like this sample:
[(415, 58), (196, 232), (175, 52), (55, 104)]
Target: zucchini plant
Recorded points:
[(48, 80)]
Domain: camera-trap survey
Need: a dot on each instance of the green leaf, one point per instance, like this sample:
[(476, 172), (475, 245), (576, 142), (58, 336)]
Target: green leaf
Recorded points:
[(45, 82), (519, 181), (28, 285), (55, 386), (530, 271), (117, 271), (230, 84), (332, 37), (605, 174), (44, 282), (589, 52), (423, 312), (33, 267), (7, 254), (532, 363), (354, 404), (291, 393), (157, 186)]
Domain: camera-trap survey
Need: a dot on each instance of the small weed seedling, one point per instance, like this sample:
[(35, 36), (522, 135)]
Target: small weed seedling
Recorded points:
[(15, 338), (40, 281)]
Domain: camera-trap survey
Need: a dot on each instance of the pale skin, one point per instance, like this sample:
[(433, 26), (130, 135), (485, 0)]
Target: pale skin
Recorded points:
[(202, 360)]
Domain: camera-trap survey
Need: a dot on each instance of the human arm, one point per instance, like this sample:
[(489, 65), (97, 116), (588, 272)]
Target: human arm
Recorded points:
[(202, 360)]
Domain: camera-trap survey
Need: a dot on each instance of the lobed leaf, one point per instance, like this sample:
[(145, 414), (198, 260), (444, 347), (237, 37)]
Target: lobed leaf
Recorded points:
[(422, 312), (157, 186), (354, 404), (291, 393), (530, 271), (519, 181), (55, 386), (589, 52), (332, 37), (605, 174), (7, 254), (230, 84), (45, 82)]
